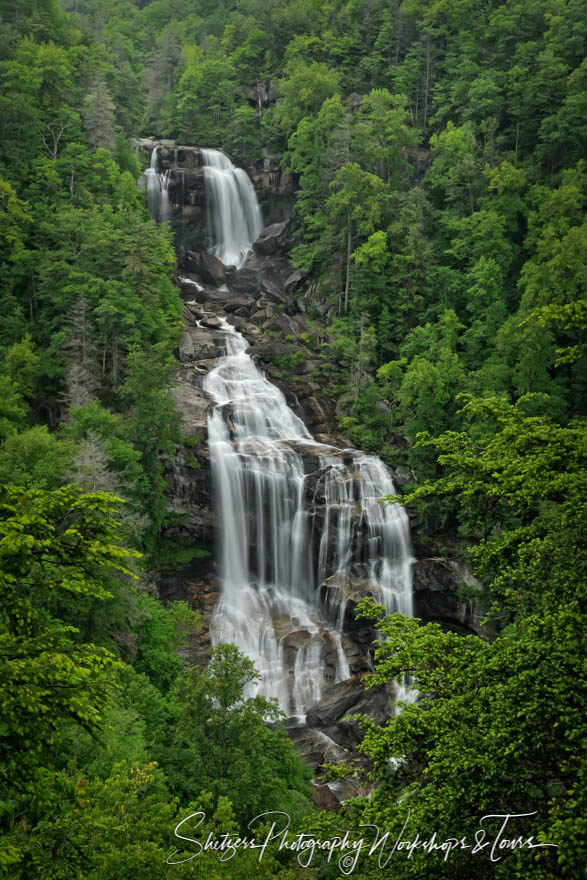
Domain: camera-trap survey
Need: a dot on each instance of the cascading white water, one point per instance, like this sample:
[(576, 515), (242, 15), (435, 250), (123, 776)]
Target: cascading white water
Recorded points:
[(234, 215), (157, 189), (293, 513)]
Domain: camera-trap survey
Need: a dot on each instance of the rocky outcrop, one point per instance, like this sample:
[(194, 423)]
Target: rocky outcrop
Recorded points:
[(267, 301), (330, 737), (254, 301), (186, 189), (445, 591), (206, 266), (272, 239), (262, 94)]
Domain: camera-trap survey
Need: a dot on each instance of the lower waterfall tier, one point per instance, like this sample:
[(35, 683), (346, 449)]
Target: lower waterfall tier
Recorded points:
[(293, 542)]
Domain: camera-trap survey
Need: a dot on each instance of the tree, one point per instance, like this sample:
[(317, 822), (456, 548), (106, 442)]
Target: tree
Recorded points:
[(52, 544), (205, 98), (355, 209), (455, 171), (35, 458), (81, 375), (495, 728), (305, 89), (98, 116), (381, 134), (220, 741)]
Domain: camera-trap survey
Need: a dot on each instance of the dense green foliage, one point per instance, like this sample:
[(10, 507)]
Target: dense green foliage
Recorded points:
[(498, 725), (107, 741), (85, 282), (437, 148)]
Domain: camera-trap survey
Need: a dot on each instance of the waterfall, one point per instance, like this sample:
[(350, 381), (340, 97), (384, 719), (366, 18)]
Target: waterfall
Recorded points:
[(296, 516), (234, 215), (157, 189)]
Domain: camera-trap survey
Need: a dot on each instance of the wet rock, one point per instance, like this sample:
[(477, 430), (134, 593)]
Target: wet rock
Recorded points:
[(339, 699), (315, 747), (197, 344), (335, 592), (245, 280), (207, 266), (212, 321), (319, 411), (233, 303)]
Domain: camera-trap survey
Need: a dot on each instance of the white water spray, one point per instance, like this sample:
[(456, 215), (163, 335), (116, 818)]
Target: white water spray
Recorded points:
[(272, 479), (234, 215)]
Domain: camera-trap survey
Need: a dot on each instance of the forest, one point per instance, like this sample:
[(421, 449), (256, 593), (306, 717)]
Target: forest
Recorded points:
[(437, 153)]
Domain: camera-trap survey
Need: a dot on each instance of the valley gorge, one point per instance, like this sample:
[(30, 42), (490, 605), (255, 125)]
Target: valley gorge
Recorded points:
[(293, 338)]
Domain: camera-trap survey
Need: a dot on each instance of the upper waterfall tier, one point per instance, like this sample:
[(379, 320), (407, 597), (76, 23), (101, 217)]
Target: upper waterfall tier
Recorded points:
[(285, 532), (234, 215), (210, 203)]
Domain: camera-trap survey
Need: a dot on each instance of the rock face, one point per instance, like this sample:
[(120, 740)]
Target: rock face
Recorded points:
[(187, 194), (272, 239), (439, 596), (258, 305), (207, 266)]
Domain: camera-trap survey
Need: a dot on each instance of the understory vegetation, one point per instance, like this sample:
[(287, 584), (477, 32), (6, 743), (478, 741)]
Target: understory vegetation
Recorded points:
[(437, 150)]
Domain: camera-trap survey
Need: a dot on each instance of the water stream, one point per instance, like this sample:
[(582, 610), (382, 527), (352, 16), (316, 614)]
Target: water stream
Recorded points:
[(157, 183), (234, 215), (294, 514)]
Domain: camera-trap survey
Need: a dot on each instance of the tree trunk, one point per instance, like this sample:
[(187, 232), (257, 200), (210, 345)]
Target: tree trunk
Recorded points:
[(427, 81), (349, 248)]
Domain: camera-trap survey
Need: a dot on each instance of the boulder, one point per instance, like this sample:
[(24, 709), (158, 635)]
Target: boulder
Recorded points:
[(207, 266), (197, 344), (335, 705), (244, 281), (315, 747), (272, 238), (296, 277), (212, 321), (272, 290), (238, 303), (403, 475)]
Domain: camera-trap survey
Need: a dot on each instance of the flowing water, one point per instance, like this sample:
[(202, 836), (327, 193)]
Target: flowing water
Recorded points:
[(234, 215), (302, 530), (293, 514), (157, 183)]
